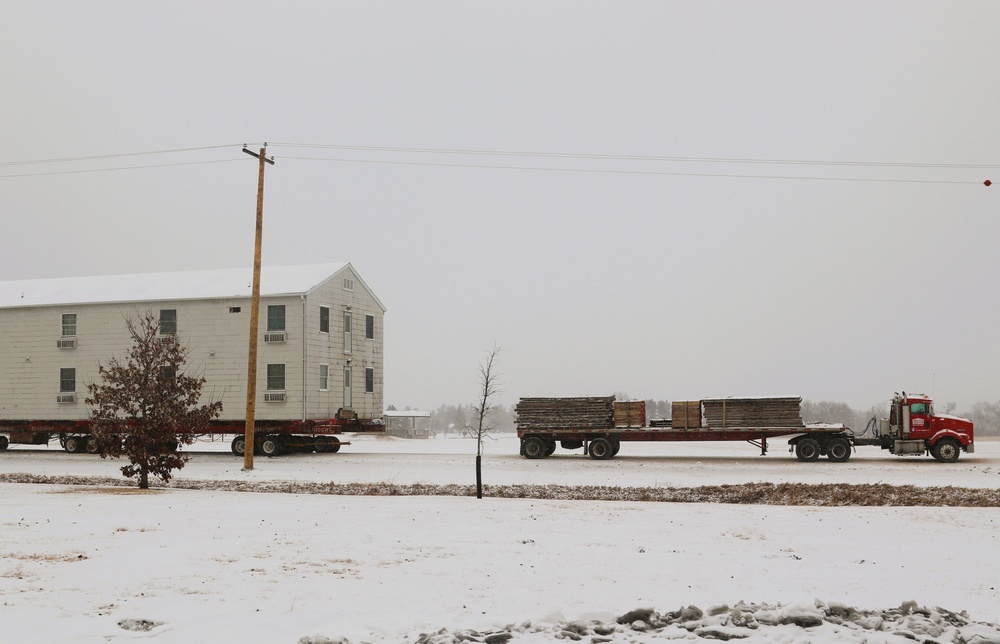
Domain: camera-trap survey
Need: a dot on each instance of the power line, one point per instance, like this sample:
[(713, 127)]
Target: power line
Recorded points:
[(635, 172), (626, 157), (117, 156), (131, 167)]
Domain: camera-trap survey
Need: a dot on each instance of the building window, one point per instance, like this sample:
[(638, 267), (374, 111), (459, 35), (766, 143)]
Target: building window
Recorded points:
[(69, 325), (324, 319), (370, 327), (348, 343), (348, 284), (235, 309), (275, 317), (348, 399), (369, 380), (276, 377), (324, 377), (168, 321), (167, 373), (67, 380)]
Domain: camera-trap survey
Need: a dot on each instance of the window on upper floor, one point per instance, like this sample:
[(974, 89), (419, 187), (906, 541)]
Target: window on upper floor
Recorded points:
[(348, 284), (370, 327), (348, 341), (275, 317), (69, 325), (324, 377), (324, 319), (369, 380), (168, 321)]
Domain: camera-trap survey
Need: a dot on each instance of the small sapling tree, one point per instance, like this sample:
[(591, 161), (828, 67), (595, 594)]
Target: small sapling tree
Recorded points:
[(489, 383), (146, 406)]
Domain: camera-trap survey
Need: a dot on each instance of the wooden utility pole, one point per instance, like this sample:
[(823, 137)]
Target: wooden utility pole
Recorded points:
[(248, 436)]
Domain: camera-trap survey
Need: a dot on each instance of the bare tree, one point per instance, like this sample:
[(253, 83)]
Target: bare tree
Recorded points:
[(489, 383), (147, 406)]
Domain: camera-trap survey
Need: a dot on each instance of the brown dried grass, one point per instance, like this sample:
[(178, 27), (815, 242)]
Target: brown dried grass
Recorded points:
[(788, 494)]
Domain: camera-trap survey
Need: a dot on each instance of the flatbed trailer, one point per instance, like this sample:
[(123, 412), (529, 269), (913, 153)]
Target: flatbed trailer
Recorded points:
[(831, 440), (271, 437), (600, 425)]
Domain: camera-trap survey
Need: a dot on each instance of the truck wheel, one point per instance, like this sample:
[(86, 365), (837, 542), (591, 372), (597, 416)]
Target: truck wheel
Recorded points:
[(74, 444), (550, 447), (807, 450), (238, 445), (601, 449), (838, 449), (270, 446), (533, 447), (946, 450), (4, 442), (616, 446)]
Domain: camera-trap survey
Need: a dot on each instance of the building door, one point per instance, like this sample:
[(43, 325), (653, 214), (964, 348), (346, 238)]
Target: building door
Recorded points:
[(348, 403)]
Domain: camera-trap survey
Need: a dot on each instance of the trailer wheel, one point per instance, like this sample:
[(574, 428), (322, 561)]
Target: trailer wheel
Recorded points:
[(807, 450), (270, 446), (239, 445), (327, 444), (946, 450), (550, 447), (616, 446), (838, 449), (74, 444), (601, 449), (4, 442), (534, 447), (92, 447)]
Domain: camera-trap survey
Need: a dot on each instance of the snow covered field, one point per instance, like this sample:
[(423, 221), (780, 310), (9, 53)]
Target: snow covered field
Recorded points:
[(83, 564)]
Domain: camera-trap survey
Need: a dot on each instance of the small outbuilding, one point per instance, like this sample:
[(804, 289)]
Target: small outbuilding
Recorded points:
[(319, 349)]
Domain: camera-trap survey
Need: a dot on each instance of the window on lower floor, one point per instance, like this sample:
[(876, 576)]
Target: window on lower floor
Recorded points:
[(276, 377), (67, 380), (324, 377), (369, 380)]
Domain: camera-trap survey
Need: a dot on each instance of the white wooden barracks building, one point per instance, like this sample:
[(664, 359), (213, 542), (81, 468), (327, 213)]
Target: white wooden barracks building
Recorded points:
[(319, 350)]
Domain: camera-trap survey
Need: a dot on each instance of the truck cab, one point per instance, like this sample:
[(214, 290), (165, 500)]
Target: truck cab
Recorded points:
[(914, 429)]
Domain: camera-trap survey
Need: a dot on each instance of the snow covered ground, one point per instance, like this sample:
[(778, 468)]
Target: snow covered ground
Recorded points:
[(85, 564)]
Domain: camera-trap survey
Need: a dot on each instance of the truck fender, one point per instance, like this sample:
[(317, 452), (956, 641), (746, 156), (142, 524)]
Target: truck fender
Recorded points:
[(963, 439)]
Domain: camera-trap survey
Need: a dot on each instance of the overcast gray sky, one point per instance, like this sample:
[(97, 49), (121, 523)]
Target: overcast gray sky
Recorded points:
[(683, 276)]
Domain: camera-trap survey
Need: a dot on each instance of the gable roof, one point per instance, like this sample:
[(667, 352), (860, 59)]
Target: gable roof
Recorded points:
[(182, 285)]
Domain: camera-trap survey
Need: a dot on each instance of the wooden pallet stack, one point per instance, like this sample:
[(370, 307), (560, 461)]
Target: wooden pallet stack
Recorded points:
[(566, 413), (727, 413), (630, 413), (685, 414)]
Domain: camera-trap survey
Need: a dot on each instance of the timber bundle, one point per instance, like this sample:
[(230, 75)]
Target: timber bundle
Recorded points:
[(722, 413), (566, 413)]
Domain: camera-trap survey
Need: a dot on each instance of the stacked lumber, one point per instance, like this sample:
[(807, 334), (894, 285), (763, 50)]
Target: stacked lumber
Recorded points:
[(722, 413), (630, 413), (566, 413), (685, 414)]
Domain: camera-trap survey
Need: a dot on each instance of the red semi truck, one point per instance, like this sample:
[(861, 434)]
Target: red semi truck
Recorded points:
[(911, 429), (271, 437)]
